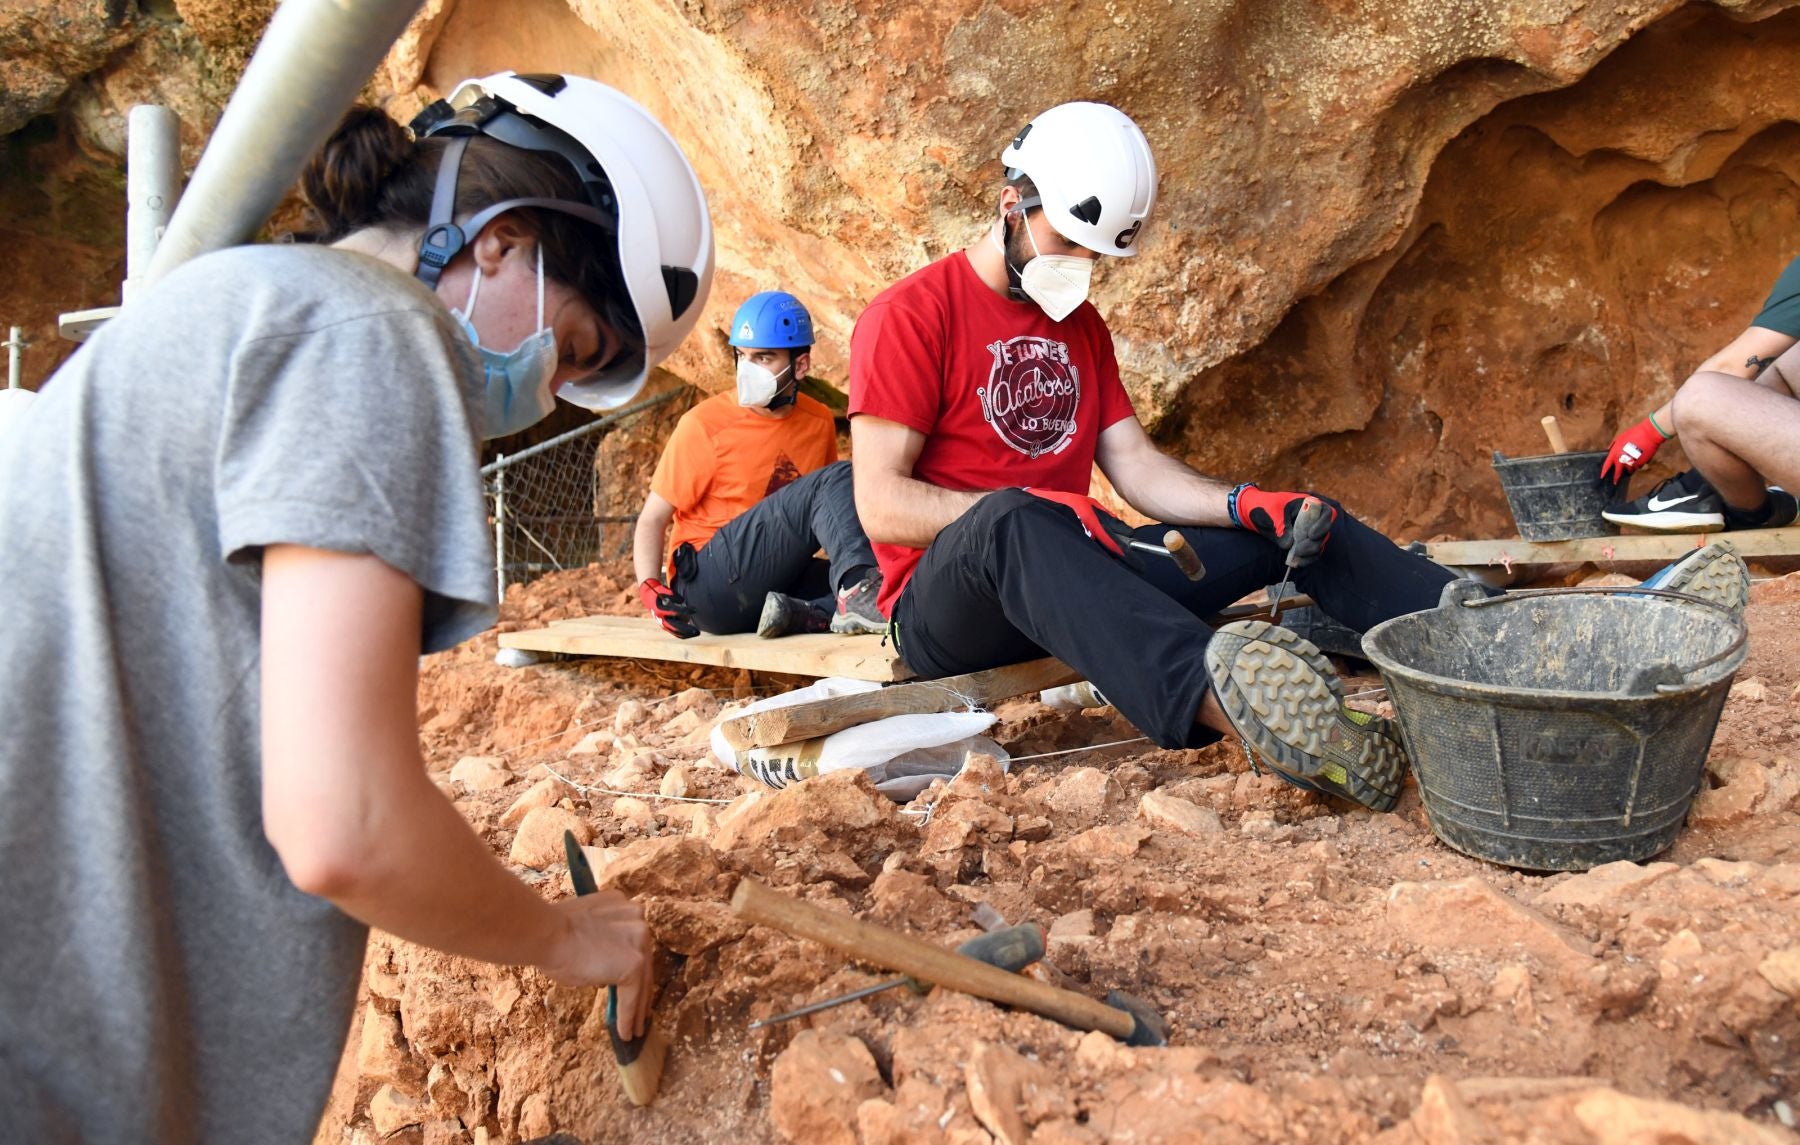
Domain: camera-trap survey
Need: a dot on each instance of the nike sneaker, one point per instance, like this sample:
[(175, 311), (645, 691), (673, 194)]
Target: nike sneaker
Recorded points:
[(1685, 503), (1287, 706)]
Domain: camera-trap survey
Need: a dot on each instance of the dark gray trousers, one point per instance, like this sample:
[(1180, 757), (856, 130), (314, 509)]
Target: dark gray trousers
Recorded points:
[(770, 547)]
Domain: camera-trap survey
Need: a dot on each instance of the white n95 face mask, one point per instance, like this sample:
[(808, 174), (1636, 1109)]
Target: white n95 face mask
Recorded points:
[(756, 385), (1058, 283), (516, 391)]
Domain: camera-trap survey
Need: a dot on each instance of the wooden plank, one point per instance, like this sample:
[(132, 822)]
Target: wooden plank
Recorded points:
[(640, 637), (822, 717), (1633, 547)]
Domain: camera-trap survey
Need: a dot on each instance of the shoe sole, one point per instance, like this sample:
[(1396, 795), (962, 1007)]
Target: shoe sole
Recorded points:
[(1669, 522), (1285, 701), (1720, 577), (775, 619), (856, 626)]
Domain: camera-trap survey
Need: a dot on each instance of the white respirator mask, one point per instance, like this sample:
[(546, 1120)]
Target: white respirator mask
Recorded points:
[(757, 386), (1058, 283)]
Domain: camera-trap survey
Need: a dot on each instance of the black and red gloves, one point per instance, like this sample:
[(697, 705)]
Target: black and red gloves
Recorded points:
[(1632, 450), (673, 613), (1271, 515), (1106, 530)]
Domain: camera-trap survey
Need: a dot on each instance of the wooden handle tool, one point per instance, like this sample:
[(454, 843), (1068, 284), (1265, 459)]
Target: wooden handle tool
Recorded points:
[(1554, 433), (905, 954), (640, 1060)]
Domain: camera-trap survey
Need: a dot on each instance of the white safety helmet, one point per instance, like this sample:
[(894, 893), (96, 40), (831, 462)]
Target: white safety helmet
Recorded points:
[(1095, 176), (641, 189)]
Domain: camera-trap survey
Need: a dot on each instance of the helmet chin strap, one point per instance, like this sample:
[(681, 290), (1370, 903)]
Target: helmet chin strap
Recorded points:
[(1014, 283)]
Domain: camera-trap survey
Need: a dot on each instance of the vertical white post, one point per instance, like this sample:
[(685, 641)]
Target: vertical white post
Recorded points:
[(500, 529), (14, 343), (152, 177)]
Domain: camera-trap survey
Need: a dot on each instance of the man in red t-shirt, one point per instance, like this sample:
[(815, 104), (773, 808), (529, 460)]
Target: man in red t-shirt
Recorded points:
[(983, 389)]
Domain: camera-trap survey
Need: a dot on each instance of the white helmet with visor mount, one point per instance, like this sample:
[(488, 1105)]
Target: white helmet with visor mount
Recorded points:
[(1094, 174), (641, 193)]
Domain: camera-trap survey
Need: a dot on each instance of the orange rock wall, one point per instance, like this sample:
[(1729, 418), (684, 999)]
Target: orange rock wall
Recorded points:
[(1390, 234)]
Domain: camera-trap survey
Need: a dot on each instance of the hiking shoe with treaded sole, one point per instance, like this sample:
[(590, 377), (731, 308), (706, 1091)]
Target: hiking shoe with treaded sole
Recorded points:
[(784, 615), (1714, 573), (1284, 700), (856, 611)]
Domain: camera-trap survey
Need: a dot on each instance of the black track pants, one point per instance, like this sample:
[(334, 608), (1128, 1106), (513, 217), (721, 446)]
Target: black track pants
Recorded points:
[(770, 547), (1015, 578)]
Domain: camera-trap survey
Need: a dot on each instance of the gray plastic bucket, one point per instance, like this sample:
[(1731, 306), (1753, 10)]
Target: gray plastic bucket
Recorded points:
[(1561, 729), (1557, 497)]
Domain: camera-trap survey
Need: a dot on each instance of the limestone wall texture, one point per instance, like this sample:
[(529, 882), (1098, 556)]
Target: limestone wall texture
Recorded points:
[(1392, 233)]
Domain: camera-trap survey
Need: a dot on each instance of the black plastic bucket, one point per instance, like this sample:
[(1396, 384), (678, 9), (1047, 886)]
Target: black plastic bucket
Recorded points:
[(1561, 729), (1557, 497)]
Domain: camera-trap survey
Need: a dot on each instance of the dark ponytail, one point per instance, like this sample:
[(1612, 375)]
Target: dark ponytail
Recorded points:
[(371, 173), (345, 181)]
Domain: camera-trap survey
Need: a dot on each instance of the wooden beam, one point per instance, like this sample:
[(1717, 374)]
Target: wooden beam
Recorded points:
[(641, 638), (1631, 547), (774, 726)]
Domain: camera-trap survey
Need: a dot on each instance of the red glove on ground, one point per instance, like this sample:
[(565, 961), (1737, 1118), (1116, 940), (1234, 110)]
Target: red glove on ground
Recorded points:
[(1632, 450), (1271, 515), (1107, 531), (675, 614)]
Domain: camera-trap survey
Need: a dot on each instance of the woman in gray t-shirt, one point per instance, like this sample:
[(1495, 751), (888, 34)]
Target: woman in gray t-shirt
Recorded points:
[(233, 521)]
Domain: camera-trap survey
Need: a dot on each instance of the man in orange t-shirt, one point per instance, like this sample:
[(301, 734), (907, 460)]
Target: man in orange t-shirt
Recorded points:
[(752, 485)]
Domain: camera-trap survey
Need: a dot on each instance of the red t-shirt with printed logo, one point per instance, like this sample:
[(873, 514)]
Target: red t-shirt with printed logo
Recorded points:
[(1004, 396)]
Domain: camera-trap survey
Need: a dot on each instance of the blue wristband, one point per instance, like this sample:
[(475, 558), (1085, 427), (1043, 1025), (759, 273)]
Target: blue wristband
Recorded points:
[(1231, 503)]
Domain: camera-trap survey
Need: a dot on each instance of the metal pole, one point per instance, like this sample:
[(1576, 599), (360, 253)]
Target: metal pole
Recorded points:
[(500, 530), (152, 175), (313, 60), (14, 344)]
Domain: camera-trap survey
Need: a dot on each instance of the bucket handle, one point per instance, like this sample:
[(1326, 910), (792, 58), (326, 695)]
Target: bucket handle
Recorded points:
[(1654, 678)]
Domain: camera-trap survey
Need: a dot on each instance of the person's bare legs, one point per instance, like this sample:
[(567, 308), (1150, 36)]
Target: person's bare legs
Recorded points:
[(1740, 435), (1211, 715)]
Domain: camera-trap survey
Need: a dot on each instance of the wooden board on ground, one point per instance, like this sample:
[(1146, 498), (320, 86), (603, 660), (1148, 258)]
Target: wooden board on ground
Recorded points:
[(641, 638), (1749, 543), (822, 717)]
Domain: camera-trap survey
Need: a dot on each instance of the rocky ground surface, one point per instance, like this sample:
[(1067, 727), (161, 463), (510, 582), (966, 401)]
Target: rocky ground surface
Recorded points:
[(1328, 974)]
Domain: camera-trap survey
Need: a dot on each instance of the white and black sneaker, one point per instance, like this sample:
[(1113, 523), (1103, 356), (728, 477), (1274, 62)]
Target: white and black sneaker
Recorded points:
[(1685, 503)]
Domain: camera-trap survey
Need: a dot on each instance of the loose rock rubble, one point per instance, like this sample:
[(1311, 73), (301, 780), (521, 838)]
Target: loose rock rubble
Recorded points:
[(1328, 974)]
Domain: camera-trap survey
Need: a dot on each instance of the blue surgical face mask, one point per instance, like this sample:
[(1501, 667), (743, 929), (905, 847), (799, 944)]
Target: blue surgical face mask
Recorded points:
[(516, 384)]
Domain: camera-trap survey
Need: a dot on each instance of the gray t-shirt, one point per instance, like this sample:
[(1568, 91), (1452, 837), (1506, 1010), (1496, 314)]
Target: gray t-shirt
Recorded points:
[(160, 977)]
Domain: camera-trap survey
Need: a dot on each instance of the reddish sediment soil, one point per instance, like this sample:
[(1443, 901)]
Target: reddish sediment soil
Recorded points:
[(1328, 974)]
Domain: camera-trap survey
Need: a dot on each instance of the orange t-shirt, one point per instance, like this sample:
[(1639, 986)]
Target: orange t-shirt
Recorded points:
[(722, 459)]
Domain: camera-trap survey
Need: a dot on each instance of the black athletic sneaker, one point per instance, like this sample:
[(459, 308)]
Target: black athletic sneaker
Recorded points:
[(856, 611), (1285, 701), (1685, 503), (785, 615)]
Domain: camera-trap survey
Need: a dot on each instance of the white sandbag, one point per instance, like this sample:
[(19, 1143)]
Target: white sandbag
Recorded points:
[(902, 754)]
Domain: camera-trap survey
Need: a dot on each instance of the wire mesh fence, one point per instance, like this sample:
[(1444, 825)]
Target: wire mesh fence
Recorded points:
[(546, 502)]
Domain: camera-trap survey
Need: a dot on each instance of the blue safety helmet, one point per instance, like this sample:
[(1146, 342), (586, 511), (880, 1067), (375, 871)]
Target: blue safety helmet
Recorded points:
[(771, 320)]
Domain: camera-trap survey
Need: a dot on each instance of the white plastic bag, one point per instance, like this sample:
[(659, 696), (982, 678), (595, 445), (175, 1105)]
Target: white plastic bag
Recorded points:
[(902, 754)]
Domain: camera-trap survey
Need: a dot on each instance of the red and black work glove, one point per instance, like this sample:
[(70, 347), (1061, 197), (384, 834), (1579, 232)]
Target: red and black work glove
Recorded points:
[(1271, 515), (1106, 530), (675, 614), (1632, 450)]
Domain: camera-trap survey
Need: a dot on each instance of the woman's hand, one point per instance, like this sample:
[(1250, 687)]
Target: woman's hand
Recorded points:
[(603, 941)]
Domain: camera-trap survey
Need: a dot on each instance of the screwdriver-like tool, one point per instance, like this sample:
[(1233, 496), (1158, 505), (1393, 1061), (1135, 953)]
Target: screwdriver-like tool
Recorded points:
[(1311, 523), (1176, 548), (1010, 948)]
